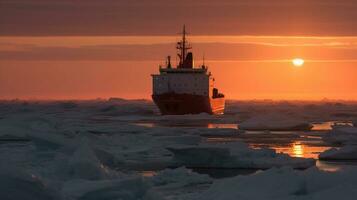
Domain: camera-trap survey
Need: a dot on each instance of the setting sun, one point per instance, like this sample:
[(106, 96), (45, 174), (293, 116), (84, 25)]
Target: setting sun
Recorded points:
[(298, 62)]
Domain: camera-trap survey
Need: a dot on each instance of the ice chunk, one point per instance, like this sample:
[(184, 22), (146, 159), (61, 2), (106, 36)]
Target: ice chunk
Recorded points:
[(220, 132), (41, 129), (285, 184), (348, 152), (84, 164), (341, 134), (128, 189), (180, 177), (130, 151), (143, 151), (183, 139), (274, 122), (17, 184), (234, 155), (120, 108)]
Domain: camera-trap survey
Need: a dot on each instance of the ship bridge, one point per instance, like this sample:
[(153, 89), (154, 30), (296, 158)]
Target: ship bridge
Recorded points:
[(202, 70)]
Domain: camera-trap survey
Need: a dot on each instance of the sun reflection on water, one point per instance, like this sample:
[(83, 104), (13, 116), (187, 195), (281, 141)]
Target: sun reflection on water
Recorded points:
[(298, 150)]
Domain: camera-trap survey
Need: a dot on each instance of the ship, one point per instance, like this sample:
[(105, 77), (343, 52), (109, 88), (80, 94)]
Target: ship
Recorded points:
[(186, 88)]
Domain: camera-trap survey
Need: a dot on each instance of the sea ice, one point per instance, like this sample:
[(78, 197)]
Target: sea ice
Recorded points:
[(341, 134), (125, 107), (133, 188), (348, 152), (286, 184), (274, 122), (179, 139), (44, 130), (180, 177), (234, 155), (50, 160), (180, 183), (84, 164), (139, 151), (17, 184), (220, 132)]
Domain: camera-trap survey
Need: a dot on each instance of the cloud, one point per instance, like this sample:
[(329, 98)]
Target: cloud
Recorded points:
[(155, 48), (165, 17)]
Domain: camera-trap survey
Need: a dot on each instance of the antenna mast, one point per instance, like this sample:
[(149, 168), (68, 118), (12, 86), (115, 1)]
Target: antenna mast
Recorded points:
[(183, 46)]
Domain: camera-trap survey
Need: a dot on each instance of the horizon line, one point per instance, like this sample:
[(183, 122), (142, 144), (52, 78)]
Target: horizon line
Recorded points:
[(149, 99)]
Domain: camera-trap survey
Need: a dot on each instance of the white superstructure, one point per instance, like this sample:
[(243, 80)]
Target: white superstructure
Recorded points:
[(196, 81)]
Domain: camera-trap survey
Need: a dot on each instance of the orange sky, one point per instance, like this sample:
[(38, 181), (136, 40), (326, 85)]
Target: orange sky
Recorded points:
[(67, 49), (245, 67)]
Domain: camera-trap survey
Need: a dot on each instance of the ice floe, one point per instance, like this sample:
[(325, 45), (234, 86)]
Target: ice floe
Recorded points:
[(84, 164), (134, 188), (226, 132), (16, 184), (180, 183), (348, 152), (274, 122), (180, 177), (234, 155), (93, 150), (341, 134), (285, 184)]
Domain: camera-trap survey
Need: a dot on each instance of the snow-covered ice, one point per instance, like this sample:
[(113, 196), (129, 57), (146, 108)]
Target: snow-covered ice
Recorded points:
[(16, 184), (71, 150), (180, 183), (234, 155), (348, 152), (274, 122), (342, 134), (285, 184), (135, 188), (84, 164), (180, 177)]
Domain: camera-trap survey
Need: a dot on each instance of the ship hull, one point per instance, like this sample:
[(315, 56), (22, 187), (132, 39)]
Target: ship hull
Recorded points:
[(181, 104)]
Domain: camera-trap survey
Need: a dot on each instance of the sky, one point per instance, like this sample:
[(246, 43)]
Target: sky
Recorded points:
[(73, 49)]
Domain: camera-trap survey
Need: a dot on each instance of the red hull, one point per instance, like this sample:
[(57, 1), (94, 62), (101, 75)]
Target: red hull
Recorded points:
[(181, 104)]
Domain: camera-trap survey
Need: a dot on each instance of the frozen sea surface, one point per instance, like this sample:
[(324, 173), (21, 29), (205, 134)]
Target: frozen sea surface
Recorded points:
[(120, 149)]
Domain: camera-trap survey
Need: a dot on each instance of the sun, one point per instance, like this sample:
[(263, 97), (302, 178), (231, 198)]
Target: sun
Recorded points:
[(298, 62)]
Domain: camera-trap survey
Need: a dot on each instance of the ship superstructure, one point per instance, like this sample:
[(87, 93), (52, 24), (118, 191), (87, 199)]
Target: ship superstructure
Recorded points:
[(186, 89)]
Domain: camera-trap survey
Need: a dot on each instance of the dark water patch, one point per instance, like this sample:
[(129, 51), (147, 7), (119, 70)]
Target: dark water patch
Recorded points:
[(224, 173)]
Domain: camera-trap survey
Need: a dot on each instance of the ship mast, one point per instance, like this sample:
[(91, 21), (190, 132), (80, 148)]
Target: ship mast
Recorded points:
[(183, 46)]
